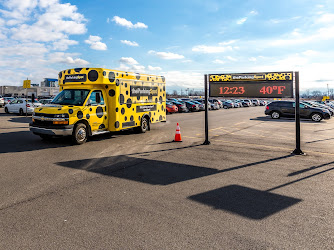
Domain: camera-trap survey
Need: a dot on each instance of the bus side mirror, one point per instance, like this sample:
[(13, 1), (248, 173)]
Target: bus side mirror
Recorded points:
[(98, 98)]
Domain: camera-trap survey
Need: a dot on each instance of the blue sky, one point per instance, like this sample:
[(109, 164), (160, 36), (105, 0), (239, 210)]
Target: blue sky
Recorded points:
[(182, 40)]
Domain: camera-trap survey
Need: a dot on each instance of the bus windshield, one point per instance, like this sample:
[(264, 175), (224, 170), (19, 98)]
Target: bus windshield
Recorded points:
[(74, 97)]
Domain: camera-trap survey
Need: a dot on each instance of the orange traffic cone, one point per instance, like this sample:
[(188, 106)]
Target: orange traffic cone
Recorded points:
[(178, 133)]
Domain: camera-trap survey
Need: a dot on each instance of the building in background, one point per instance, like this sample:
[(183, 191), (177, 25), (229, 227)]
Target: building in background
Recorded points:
[(49, 82), (49, 87)]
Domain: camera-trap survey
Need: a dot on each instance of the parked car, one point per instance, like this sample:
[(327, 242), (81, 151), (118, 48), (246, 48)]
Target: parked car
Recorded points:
[(200, 105), (192, 106), (245, 103), (319, 105), (181, 106), (255, 102), (2, 102), (279, 109), (171, 108), (215, 104), (228, 105), (21, 106), (202, 101), (263, 103), (8, 99), (45, 101)]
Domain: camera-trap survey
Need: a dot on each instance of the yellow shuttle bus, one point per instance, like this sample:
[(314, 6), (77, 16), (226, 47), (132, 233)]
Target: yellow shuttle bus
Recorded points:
[(96, 100)]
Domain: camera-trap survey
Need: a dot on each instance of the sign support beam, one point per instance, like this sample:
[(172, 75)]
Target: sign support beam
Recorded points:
[(206, 142), (297, 151)]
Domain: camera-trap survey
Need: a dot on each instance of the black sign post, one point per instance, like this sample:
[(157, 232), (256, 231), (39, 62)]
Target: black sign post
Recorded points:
[(206, 142), (297, 151)]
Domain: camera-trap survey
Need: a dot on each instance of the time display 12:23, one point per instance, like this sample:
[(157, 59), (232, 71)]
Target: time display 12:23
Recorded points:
[(231, 90)]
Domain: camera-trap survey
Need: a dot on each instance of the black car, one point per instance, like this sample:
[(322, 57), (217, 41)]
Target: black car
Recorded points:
[(279, 109), (192, 106), (181, 106)]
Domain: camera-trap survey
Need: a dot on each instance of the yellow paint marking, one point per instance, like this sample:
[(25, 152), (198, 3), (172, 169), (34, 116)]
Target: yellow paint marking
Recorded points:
[(239, 123)]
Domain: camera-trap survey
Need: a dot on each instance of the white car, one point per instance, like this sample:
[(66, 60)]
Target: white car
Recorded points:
[(2, 102), (21, 106)]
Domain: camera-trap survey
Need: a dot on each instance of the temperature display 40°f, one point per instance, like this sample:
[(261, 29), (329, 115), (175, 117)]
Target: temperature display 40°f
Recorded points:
[(248, 89)]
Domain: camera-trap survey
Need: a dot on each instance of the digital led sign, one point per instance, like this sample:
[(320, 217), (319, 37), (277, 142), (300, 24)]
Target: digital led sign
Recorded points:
[(265, 85)]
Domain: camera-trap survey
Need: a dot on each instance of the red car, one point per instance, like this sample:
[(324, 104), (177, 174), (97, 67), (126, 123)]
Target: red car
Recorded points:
[(171, 108)]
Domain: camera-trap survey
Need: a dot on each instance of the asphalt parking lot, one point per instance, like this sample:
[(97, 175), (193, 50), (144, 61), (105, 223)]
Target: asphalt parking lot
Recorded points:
[(143, 191)]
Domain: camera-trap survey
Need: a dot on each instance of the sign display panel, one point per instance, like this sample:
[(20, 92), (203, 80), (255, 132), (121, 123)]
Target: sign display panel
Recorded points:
[(27, 84), (259, 85)]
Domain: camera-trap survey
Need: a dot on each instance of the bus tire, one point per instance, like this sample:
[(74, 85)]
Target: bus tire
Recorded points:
[(80, 134), (144, 125)]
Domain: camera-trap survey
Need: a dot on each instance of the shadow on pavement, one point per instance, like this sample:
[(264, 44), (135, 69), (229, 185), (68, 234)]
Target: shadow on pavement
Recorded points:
[(153, 172), (20, 119), (23, 141), (244, 201)]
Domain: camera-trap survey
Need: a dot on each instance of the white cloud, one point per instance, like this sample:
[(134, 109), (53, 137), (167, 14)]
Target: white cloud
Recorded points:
[(29, 31), (242, 20), (184, 79), (252, 59), (133, 44), (218, 61), (151, 68), (211, 49), (326, 18), (128, 60), (64, 44), (67, 58), (166, 55), (128, 24), (95, 43), (231, 58)]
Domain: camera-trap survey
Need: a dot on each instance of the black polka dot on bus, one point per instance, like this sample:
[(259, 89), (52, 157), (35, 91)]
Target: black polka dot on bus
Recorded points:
[(99, 112), (111, 76), (111, 92), (125, 118), (104, 73), (121, 99), (131, 118), (139, 118), (60, 75), (77, 70), (156, 100), (69, 71), (93, 75), (126, 85), (126, 73), (164, 88), (138, 97), (150, 114), (79, 114), (116, 109), (106, 86), (137, 76), (128, 103), (160, 99), (102, 126), (163, 78), (87, 68), (117, 124), (70, 111), (127, 92), (117, 82), (160, 118), (105, 117), (123, 111), (87, 116), (148, 78)]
